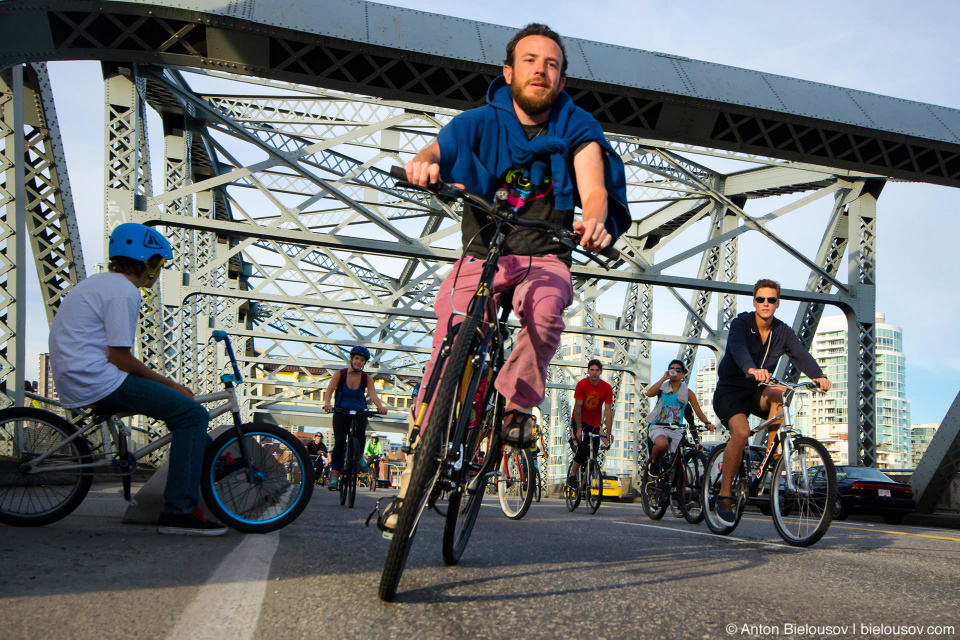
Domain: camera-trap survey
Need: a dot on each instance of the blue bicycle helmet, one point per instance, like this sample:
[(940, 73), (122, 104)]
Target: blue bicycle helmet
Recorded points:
[(139, 242), (360, 350)]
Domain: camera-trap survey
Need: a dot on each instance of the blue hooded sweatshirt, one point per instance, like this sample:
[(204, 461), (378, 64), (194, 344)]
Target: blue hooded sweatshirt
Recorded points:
[(479, 145)]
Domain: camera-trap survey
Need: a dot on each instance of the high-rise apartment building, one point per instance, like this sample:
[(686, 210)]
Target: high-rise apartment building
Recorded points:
[(581, 348), (920, 437)]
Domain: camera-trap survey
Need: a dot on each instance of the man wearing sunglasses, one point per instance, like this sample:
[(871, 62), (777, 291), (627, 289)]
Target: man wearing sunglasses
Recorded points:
[(754, 346)]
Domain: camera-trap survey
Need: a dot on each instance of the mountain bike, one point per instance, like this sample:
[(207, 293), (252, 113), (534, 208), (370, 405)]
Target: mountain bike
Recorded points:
[(589, 477), (255, 477), (678, 476), (800, 499), (349, 469), (448, 448)]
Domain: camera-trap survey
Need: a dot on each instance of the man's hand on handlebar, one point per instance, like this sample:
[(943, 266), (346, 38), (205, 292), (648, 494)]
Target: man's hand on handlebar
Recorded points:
[(595, 236), (760, 375), (824, 384)]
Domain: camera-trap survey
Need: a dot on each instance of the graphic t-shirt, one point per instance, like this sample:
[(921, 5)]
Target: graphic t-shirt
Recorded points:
[(591, 411), (529, 200)]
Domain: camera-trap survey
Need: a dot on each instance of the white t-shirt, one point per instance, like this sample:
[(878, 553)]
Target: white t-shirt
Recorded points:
[(100, 312)]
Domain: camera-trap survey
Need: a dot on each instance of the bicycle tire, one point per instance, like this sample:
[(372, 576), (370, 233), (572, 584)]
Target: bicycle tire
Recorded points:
[(267, 497), (426, 466), (711, 488), (653, 497), (594, 477), (537, 485), (803, 516), (36, 499), (688, 490), (354, 476), (514, 488), (571, 495), (344, 474), (461, 515)]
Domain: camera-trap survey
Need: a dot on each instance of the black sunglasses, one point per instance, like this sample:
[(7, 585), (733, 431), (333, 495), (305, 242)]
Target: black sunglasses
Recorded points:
[(771, 299)]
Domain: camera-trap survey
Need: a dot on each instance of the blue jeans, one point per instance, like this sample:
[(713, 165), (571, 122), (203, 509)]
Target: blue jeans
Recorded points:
[(186, 419)]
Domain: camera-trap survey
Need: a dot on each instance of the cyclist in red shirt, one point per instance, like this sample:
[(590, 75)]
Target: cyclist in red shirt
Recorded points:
[(590, 396)]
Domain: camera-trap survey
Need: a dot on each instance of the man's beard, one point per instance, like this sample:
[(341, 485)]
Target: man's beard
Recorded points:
[(533, 105)]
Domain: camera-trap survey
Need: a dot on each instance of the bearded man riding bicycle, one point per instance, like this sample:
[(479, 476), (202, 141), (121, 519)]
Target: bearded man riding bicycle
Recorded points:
[(549, 156)]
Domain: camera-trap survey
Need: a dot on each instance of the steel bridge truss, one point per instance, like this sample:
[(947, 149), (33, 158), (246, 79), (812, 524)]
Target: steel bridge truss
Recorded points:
[(290, 235)]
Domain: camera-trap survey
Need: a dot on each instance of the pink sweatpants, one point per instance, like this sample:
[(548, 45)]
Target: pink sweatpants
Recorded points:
[(538, 301)]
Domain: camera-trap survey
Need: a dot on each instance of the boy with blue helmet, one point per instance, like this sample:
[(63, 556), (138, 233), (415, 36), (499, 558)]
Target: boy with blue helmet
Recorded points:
[(90, 341)]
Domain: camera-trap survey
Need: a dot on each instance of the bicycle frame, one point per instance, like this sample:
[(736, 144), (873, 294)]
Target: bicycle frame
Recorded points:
[(115, 445), (780, 438)]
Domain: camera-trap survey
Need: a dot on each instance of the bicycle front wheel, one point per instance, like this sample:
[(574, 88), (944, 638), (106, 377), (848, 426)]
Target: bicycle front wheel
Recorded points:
[(50, 491), (353, 476), (653, 495), (594, 488), (264, 493), (689, 489), (802, 514), (514, 485), (537, 485), (571, 494), (447, 406), (711, 489)]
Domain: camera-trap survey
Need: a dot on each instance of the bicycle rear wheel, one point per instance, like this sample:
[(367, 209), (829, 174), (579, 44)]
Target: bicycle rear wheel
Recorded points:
[(689, 488), (570, 494), (48, 493), (266, 492), (594, 488), (514, 484), (803, 514), (447, 405), (653, 495), (711, 489)]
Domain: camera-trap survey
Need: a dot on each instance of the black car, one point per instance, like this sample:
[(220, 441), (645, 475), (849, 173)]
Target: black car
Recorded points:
[(869, 491)]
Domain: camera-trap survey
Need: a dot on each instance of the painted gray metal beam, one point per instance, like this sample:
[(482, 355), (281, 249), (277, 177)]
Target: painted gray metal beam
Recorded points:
[(940, 462), (422, 57)]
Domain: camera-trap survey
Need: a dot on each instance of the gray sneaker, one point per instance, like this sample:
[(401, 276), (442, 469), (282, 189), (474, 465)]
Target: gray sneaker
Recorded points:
[(189, 524)]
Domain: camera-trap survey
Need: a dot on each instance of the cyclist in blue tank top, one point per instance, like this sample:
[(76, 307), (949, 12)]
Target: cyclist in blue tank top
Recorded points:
[(673, 400), (351, 386)]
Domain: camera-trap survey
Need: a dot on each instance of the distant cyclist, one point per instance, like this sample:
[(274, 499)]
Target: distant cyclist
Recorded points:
[(673, 400), (351, 386), (754, 345), (91, 339), (373, 452), (590, 397), (318, 451)]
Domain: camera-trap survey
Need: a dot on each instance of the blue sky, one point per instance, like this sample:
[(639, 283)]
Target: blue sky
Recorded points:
[(891, 48)]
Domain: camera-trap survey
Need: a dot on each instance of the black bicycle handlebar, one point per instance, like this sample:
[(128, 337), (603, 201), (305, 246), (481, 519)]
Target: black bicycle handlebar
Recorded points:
[(350, 412), (450, 192)]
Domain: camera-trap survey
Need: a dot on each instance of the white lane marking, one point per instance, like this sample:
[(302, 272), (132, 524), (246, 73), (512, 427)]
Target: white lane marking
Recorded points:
[(228, 606), (711, 535)]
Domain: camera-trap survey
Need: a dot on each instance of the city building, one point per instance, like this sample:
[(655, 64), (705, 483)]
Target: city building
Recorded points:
[(920, 437), (581, 348)]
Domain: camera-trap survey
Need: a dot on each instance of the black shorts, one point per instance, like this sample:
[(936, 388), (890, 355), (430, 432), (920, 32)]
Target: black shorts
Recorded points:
[(729, 401), (582, 451)]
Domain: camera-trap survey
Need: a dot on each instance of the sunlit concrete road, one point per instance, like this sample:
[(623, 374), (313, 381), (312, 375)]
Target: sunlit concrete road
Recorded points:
[(554, 574)]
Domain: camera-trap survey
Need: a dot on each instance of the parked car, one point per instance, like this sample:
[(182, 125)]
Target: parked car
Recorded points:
[(384, 484), (870, 491)]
